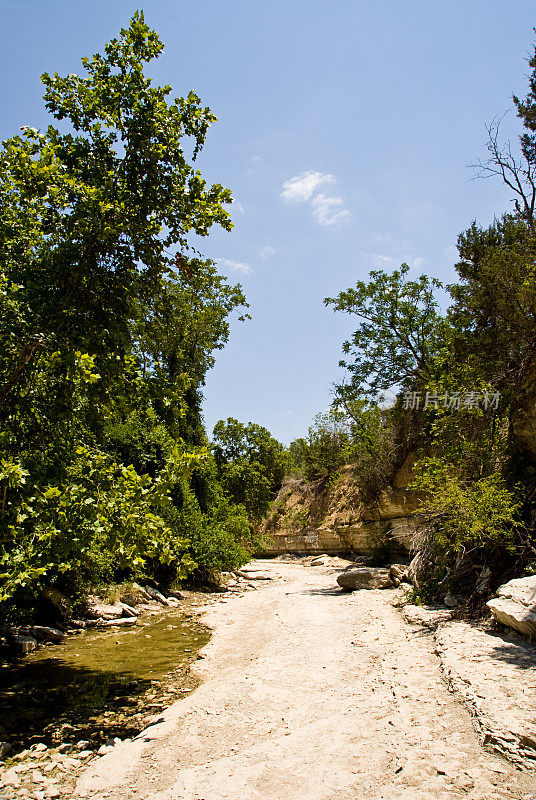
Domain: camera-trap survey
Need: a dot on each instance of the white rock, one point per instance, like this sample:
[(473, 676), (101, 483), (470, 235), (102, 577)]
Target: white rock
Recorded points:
[(513, 614), (515, 605), (364, 578)]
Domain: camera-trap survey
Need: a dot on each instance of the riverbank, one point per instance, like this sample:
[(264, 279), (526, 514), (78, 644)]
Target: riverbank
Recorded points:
[(309, 692), (69, 703)]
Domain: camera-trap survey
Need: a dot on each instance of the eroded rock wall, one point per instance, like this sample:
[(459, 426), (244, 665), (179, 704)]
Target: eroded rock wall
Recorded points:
[(323, 517)]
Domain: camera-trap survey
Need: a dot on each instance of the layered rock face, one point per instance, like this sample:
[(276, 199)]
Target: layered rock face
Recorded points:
[(310, 518)]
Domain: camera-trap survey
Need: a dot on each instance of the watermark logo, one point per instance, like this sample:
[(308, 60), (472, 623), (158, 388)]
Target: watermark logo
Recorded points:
[(450, 400)]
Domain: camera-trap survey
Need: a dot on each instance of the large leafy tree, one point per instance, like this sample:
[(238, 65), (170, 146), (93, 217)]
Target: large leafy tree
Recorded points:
[(92, 213), (399, 334)]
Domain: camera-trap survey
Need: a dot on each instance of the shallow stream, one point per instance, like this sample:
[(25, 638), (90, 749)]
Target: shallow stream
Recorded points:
[(99, 684)]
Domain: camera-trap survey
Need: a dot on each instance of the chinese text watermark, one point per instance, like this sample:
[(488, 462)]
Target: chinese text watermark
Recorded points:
[(451, 400)]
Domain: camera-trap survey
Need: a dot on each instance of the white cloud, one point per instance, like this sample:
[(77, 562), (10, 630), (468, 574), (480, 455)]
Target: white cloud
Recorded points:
[(238, 205), (416, 262), (451, 252), (235, 266), (285, 413), (304, 188), (329, 210), (301, 188), (386, 261), (377, 259), (267, 252)]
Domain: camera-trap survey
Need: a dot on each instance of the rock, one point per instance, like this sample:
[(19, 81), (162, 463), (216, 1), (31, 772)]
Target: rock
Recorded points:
[(450, 601), (364, 578), (104, 749), (176, 594), (24, 644), (172, 601), (39, 748), (320, 561), (521, 590), (513, 614), (5, 747), (82, 744), (65, 747), (45, 634), (10, 778), (399, 572), (129, 611), (392, 503), (105, 623), (96, 609), (156, 595), (515, 605), (427, 617)]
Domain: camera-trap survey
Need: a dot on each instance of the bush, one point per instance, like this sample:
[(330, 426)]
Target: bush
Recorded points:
[(466, 526)]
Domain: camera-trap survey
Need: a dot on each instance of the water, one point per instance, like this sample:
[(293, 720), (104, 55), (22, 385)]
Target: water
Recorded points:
[(98, 684)]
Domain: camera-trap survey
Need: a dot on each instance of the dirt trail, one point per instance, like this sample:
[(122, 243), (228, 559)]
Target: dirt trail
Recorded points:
[(310, 694)]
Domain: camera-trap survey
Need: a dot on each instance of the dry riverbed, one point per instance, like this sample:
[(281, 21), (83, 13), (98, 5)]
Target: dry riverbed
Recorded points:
[(310, 693)]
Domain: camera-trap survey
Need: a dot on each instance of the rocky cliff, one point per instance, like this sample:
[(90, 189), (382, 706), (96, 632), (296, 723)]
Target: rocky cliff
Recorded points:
[(330, 517)]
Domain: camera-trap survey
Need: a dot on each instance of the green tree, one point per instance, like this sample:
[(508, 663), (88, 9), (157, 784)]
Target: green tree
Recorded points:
[(107, 330), (251, 464), (399, 334), (90, 218)]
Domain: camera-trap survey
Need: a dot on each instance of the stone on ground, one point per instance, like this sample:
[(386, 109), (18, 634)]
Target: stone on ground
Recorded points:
[(365, 578), (515, 605)]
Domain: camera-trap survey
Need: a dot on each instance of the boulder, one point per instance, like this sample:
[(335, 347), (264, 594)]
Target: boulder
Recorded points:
[(399, 573), (154, 594), (320, 561), (24, 644), (515, 605), (45, 634), (364, 578), (96, 609)]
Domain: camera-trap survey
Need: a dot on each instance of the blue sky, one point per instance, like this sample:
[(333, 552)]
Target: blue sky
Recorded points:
[(345, 130)]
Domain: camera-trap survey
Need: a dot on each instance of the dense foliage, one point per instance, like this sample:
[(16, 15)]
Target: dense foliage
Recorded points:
[(108, 326), (251, 464)]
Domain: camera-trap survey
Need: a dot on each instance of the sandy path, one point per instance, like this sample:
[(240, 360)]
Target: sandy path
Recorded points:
[(310, 694)]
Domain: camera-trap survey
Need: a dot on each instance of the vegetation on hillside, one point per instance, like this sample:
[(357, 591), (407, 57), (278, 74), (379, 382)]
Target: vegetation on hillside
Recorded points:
[(465, 383)]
